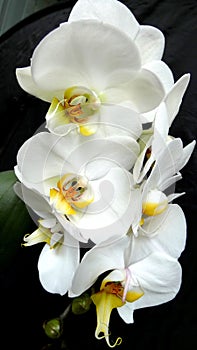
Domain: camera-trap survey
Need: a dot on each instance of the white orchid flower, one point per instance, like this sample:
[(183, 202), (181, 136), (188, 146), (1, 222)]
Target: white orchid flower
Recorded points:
[(132, 283), (155, 139), (149, 40), (156, 192), (85, 180), (85, 63), (59, 257)]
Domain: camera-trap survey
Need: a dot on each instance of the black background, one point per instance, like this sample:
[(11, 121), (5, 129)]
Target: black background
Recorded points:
[(24, 303)]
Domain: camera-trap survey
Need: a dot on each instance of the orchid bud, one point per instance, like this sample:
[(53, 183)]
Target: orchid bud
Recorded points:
[(81, 304), (53, 328)]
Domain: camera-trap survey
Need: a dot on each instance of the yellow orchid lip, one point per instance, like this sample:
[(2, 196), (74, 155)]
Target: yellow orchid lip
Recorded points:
[(105, 302), (72, 193), (60, 203), (111, 295)]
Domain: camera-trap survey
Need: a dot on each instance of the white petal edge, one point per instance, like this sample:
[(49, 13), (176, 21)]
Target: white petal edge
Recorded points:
[(150, 41), (110, 255), (57, 266), (55, 64), (110, 11), (26, 82)]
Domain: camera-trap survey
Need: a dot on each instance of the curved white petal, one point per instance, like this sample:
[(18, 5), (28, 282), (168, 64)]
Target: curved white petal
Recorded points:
[(174, 97), (37, 157), (26, 82), (109, 213), (159, 276), (103, 257), (95, 156), (126, 312), (163, 233), (166, 165), (150, 42), (170, 181), (122, 120), (173, 158), (33, 200), (146, 91), (56, 64), (157, 142), (161, 129), (138, 172), (163, 72), (111, 11), (42, 208), (117, 151), (70, 227), (57, 266), (187, 152)]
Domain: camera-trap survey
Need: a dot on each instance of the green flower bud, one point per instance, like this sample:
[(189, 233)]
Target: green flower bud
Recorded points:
[(81, 304), (53, 328)]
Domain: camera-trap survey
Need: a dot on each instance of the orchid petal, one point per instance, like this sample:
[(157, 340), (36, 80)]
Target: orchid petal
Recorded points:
[(157, 143), (35, 154), (175, 92), (26, 82), (187, 152), (174, 196), (34, 200), (163, 72), (99, 66), (150, 42), (122, 120), (109, 214), (175, 95), (113, 14), (159, 276), (138, 171), (164, 233), (95, 157), (146, 91), (166, 165), (70, 227), (57, 265), (40, 205), (56, 117), (170, 181), (161, 129), (126, 312), (89, 269)]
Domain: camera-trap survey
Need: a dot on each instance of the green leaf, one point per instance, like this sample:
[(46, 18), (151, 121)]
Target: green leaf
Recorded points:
[(15, 220)]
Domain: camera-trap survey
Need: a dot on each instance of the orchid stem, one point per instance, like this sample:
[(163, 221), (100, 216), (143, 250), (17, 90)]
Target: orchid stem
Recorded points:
[(65, 312)]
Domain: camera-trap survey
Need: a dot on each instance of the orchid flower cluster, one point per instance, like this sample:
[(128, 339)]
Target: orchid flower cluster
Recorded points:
[(102, 174)]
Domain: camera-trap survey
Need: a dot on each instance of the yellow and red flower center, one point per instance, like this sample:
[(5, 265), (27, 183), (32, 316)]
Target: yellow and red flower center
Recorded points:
[(73, 192)]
